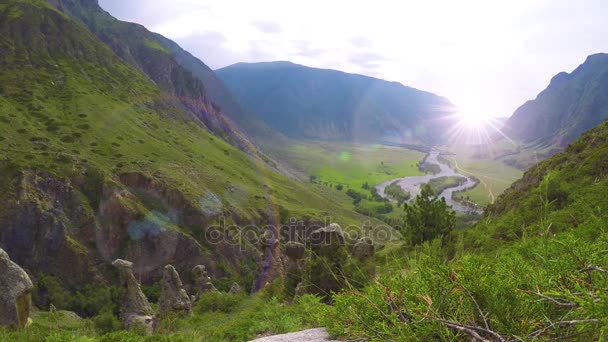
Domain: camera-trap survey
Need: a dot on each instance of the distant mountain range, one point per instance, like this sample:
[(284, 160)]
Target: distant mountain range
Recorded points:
[(303, 102), (572, 104)]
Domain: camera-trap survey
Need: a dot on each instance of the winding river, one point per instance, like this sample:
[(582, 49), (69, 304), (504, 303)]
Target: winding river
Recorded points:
[(413, 184)]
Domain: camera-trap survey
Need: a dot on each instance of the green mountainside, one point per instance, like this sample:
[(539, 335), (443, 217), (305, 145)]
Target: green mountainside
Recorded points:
[(534, 268), (303, 102), (174, 70), (97, 163)]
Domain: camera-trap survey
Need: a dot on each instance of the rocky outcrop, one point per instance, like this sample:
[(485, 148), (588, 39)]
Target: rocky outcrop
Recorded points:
[(15, 294), (135, 310), (173, 297), (327, 261), (331, 235), (202, 281), (363, 249), (235, 288), (294, 250)]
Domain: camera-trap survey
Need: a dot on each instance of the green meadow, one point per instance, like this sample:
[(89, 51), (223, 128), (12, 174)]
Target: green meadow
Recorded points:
[(494, 175), (351, 165)]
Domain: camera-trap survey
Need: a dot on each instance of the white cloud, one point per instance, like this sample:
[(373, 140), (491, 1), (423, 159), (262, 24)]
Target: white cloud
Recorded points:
[(488, 55)]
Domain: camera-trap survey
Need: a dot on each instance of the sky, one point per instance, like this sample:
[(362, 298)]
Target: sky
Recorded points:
[(488, 57)]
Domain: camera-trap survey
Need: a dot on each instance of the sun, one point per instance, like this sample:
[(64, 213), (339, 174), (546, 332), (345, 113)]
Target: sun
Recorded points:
[(472, 117)]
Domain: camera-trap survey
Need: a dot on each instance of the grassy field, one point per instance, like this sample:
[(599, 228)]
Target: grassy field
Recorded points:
[(351, 165), (494, 175)]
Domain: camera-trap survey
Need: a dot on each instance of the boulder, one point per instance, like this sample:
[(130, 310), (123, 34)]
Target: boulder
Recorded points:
[(294, 250), (15, 294), (364, 248), (331, 235), (202, 281), (234, 289), (173, 297), (135, 309)]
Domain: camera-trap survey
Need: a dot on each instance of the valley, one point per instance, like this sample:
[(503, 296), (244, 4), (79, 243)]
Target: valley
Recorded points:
[(146, 195)]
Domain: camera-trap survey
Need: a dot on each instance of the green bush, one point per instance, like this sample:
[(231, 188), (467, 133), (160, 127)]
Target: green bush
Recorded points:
[(218, 301)]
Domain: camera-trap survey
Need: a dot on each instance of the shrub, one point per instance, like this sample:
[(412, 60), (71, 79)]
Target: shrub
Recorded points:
[(218, 301)]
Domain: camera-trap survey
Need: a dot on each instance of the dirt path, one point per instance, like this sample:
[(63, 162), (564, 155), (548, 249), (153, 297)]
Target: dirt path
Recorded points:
[(311, 335)]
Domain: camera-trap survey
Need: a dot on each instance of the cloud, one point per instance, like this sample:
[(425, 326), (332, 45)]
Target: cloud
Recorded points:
[(360, 42), (367, 60), (267, 26), (306, 49)]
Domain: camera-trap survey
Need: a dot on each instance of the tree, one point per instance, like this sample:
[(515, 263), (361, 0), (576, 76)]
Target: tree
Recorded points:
[(428, 217)]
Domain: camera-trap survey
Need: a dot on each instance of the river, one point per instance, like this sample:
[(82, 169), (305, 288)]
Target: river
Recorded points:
[(412, 184)]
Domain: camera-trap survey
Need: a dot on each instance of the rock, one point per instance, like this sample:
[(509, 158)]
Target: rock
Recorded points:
[(327, 236), (327, 260), (173, 297), (310, 335), (15, 294), (294, 250), (135, 309), (234, 289), (364, 248), (202, 281)]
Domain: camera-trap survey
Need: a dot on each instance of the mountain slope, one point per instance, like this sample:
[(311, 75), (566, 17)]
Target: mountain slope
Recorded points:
[(304, 102), (534, 268), (571, 104), (97, 162), (153, 55)]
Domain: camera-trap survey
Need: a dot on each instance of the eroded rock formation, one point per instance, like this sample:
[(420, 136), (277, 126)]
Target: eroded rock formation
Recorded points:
[(202, 281), (173, 297), (135, 309), (15, 294)]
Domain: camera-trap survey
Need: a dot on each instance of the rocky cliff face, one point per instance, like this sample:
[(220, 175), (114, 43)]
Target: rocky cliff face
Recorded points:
[(572, 104), (49, 226)]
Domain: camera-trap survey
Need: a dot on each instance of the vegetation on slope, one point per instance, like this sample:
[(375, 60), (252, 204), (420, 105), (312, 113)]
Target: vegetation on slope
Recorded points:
[(534, 268), (90, 146)]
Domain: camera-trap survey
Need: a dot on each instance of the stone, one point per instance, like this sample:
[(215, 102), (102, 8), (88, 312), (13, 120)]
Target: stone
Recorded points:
[(15, 294), (364, 248), (202, 281), (235, 288), (331, 235), (294, 250), (173, 297), (135, 309)]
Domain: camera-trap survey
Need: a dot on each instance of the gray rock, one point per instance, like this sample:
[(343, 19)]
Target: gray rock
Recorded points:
[(294, 250), (135, 309), (202, 281), (173, 297), (15, 294), (328, 236), (310, 335), (235, 288), (364, 248)]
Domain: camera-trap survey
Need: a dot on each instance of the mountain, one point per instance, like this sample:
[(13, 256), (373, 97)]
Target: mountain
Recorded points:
[(173, 69), (99, 161), (572, 104), (303, 102)]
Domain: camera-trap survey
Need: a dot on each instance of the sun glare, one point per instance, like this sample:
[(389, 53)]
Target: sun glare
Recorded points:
[(472, 117)]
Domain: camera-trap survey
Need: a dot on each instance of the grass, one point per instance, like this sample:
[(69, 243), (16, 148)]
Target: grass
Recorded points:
[(441, 183), (494, 175), (351, 165)]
